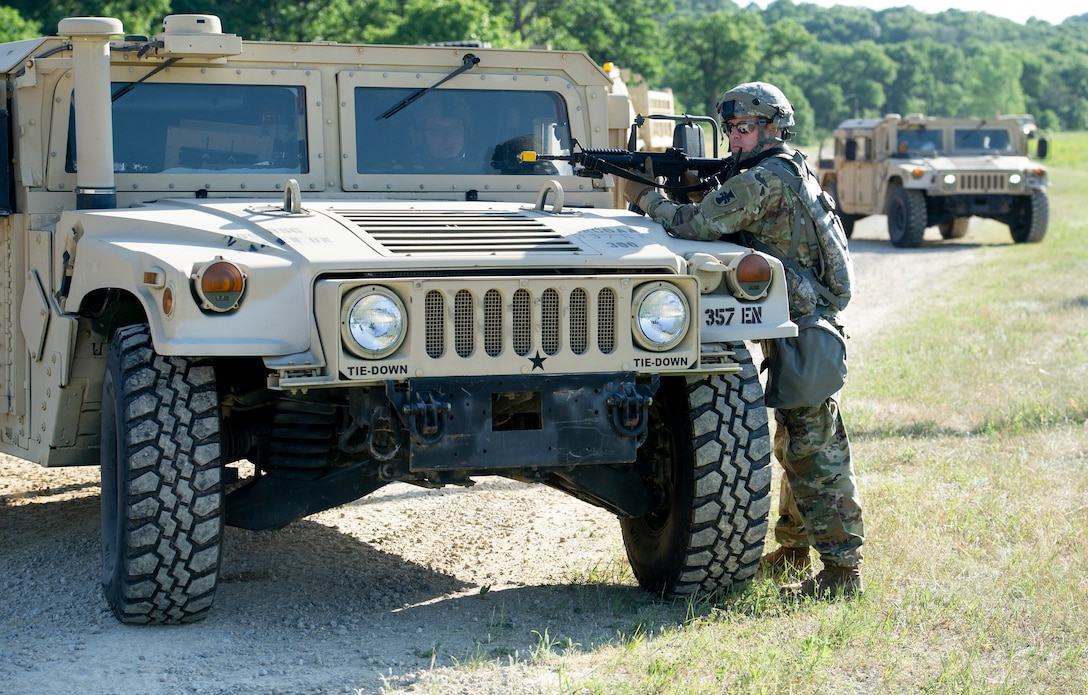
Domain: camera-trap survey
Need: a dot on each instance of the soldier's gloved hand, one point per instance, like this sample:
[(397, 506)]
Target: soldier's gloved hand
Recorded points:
[(633, 189), (691, 178)]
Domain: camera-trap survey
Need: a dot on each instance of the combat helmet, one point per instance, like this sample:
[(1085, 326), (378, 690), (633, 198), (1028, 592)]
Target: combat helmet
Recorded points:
[(760, 100)]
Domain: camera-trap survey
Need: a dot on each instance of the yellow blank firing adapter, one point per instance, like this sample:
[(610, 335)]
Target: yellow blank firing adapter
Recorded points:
[(527, 156)]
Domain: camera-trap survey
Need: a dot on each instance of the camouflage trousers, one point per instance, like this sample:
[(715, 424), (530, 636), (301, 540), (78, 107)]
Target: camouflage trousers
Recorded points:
[(818, 504)]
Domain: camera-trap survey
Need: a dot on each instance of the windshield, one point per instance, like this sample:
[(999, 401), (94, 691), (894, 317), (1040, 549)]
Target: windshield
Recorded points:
[(460, 131), (196, 128), (913, 140), (984, 140)]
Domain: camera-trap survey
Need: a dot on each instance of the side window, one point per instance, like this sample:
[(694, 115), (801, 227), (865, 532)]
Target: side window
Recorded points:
[(459, 131), (196, 128), (856, 149)]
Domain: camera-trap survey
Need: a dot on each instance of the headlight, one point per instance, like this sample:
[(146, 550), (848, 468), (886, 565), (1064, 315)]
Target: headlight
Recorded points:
[(949, 180), (1015, 179), (372, 322), (660, 316)]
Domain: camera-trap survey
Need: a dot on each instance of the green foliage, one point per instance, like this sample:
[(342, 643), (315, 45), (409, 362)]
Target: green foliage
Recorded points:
[(429, 21), (13, 27), (273, 20), (710, 54), (625, 33), (138, 16), (863, 68), (993, 82)]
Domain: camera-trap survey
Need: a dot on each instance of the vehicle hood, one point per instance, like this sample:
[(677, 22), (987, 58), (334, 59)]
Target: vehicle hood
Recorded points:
[(346, 235), (155, 251)]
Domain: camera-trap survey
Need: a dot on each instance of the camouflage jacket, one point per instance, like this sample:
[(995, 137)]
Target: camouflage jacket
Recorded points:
[(754, 201)]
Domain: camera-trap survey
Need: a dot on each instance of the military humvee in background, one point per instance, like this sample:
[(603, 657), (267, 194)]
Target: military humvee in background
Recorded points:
[(1026, 121), (253, 281), (923, 172)]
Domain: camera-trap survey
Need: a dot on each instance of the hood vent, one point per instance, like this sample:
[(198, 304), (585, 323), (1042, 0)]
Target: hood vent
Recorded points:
[(411, 232)]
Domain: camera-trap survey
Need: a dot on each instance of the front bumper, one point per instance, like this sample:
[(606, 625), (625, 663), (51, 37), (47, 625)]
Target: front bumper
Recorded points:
[(523, 421)]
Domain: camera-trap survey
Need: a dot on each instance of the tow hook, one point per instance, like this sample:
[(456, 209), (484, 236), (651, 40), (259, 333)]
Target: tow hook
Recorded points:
[(424, 417), (628, 408)]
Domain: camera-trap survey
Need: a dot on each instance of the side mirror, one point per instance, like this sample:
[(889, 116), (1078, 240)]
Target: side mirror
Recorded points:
[(850, 150), (689, 137), (1041, 149)]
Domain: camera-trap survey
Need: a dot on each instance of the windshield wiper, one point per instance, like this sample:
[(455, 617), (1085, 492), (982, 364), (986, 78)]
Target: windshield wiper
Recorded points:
[(132, 85), (468, 62)]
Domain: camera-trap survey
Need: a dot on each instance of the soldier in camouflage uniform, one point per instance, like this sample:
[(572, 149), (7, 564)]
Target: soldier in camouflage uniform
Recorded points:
[(810, 442)]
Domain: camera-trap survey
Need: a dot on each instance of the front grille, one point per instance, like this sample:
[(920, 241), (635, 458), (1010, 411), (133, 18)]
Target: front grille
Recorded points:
[(525, 320), (982, 182), (413, 232)]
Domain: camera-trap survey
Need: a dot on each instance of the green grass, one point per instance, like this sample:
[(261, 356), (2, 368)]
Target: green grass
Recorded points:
[(970, 426), (1002, 347), (1067, 151)]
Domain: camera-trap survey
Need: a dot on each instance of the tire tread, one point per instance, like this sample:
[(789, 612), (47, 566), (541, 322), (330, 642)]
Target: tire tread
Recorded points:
[(171, 494)]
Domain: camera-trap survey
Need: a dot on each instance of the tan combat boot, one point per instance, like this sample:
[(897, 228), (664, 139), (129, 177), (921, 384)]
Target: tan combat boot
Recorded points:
[(793, 561), (831, 583)]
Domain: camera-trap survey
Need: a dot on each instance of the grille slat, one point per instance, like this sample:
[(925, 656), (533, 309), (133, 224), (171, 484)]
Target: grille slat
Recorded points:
[(464, 323), (549, 321), (523, 322), (435, 317), (606, 321), (579, 322), (417, 232)]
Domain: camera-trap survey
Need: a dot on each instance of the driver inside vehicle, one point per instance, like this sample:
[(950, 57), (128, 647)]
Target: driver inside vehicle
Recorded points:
[(444, 144), (444, 138)]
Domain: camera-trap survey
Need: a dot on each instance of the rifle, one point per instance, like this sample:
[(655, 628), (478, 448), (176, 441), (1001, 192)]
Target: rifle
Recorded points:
[(671, 165)]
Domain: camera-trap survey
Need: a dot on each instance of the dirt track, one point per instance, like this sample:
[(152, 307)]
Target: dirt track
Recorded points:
[(360, 598)]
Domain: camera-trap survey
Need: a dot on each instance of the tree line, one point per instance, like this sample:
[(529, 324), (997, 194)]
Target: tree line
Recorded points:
[(833, 63)]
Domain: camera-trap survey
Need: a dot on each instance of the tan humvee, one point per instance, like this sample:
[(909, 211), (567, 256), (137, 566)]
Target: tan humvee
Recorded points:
[(924, 172), (328, 262)]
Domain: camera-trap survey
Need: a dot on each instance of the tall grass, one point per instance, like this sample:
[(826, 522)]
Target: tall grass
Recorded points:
[(970, 425)]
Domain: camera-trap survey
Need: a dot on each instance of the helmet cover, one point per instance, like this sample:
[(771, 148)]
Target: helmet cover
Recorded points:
[(756, 100)]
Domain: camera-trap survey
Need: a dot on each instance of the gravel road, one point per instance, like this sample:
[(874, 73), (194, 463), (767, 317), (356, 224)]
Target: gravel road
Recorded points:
[(362, 598)]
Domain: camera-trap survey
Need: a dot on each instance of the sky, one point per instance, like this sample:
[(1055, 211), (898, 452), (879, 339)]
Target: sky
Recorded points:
[(1053, 11)]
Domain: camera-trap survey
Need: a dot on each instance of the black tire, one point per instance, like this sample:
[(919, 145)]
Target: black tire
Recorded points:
[(162, 492), (956, 228), (1032, 218), (906, 217), (709, 449)]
